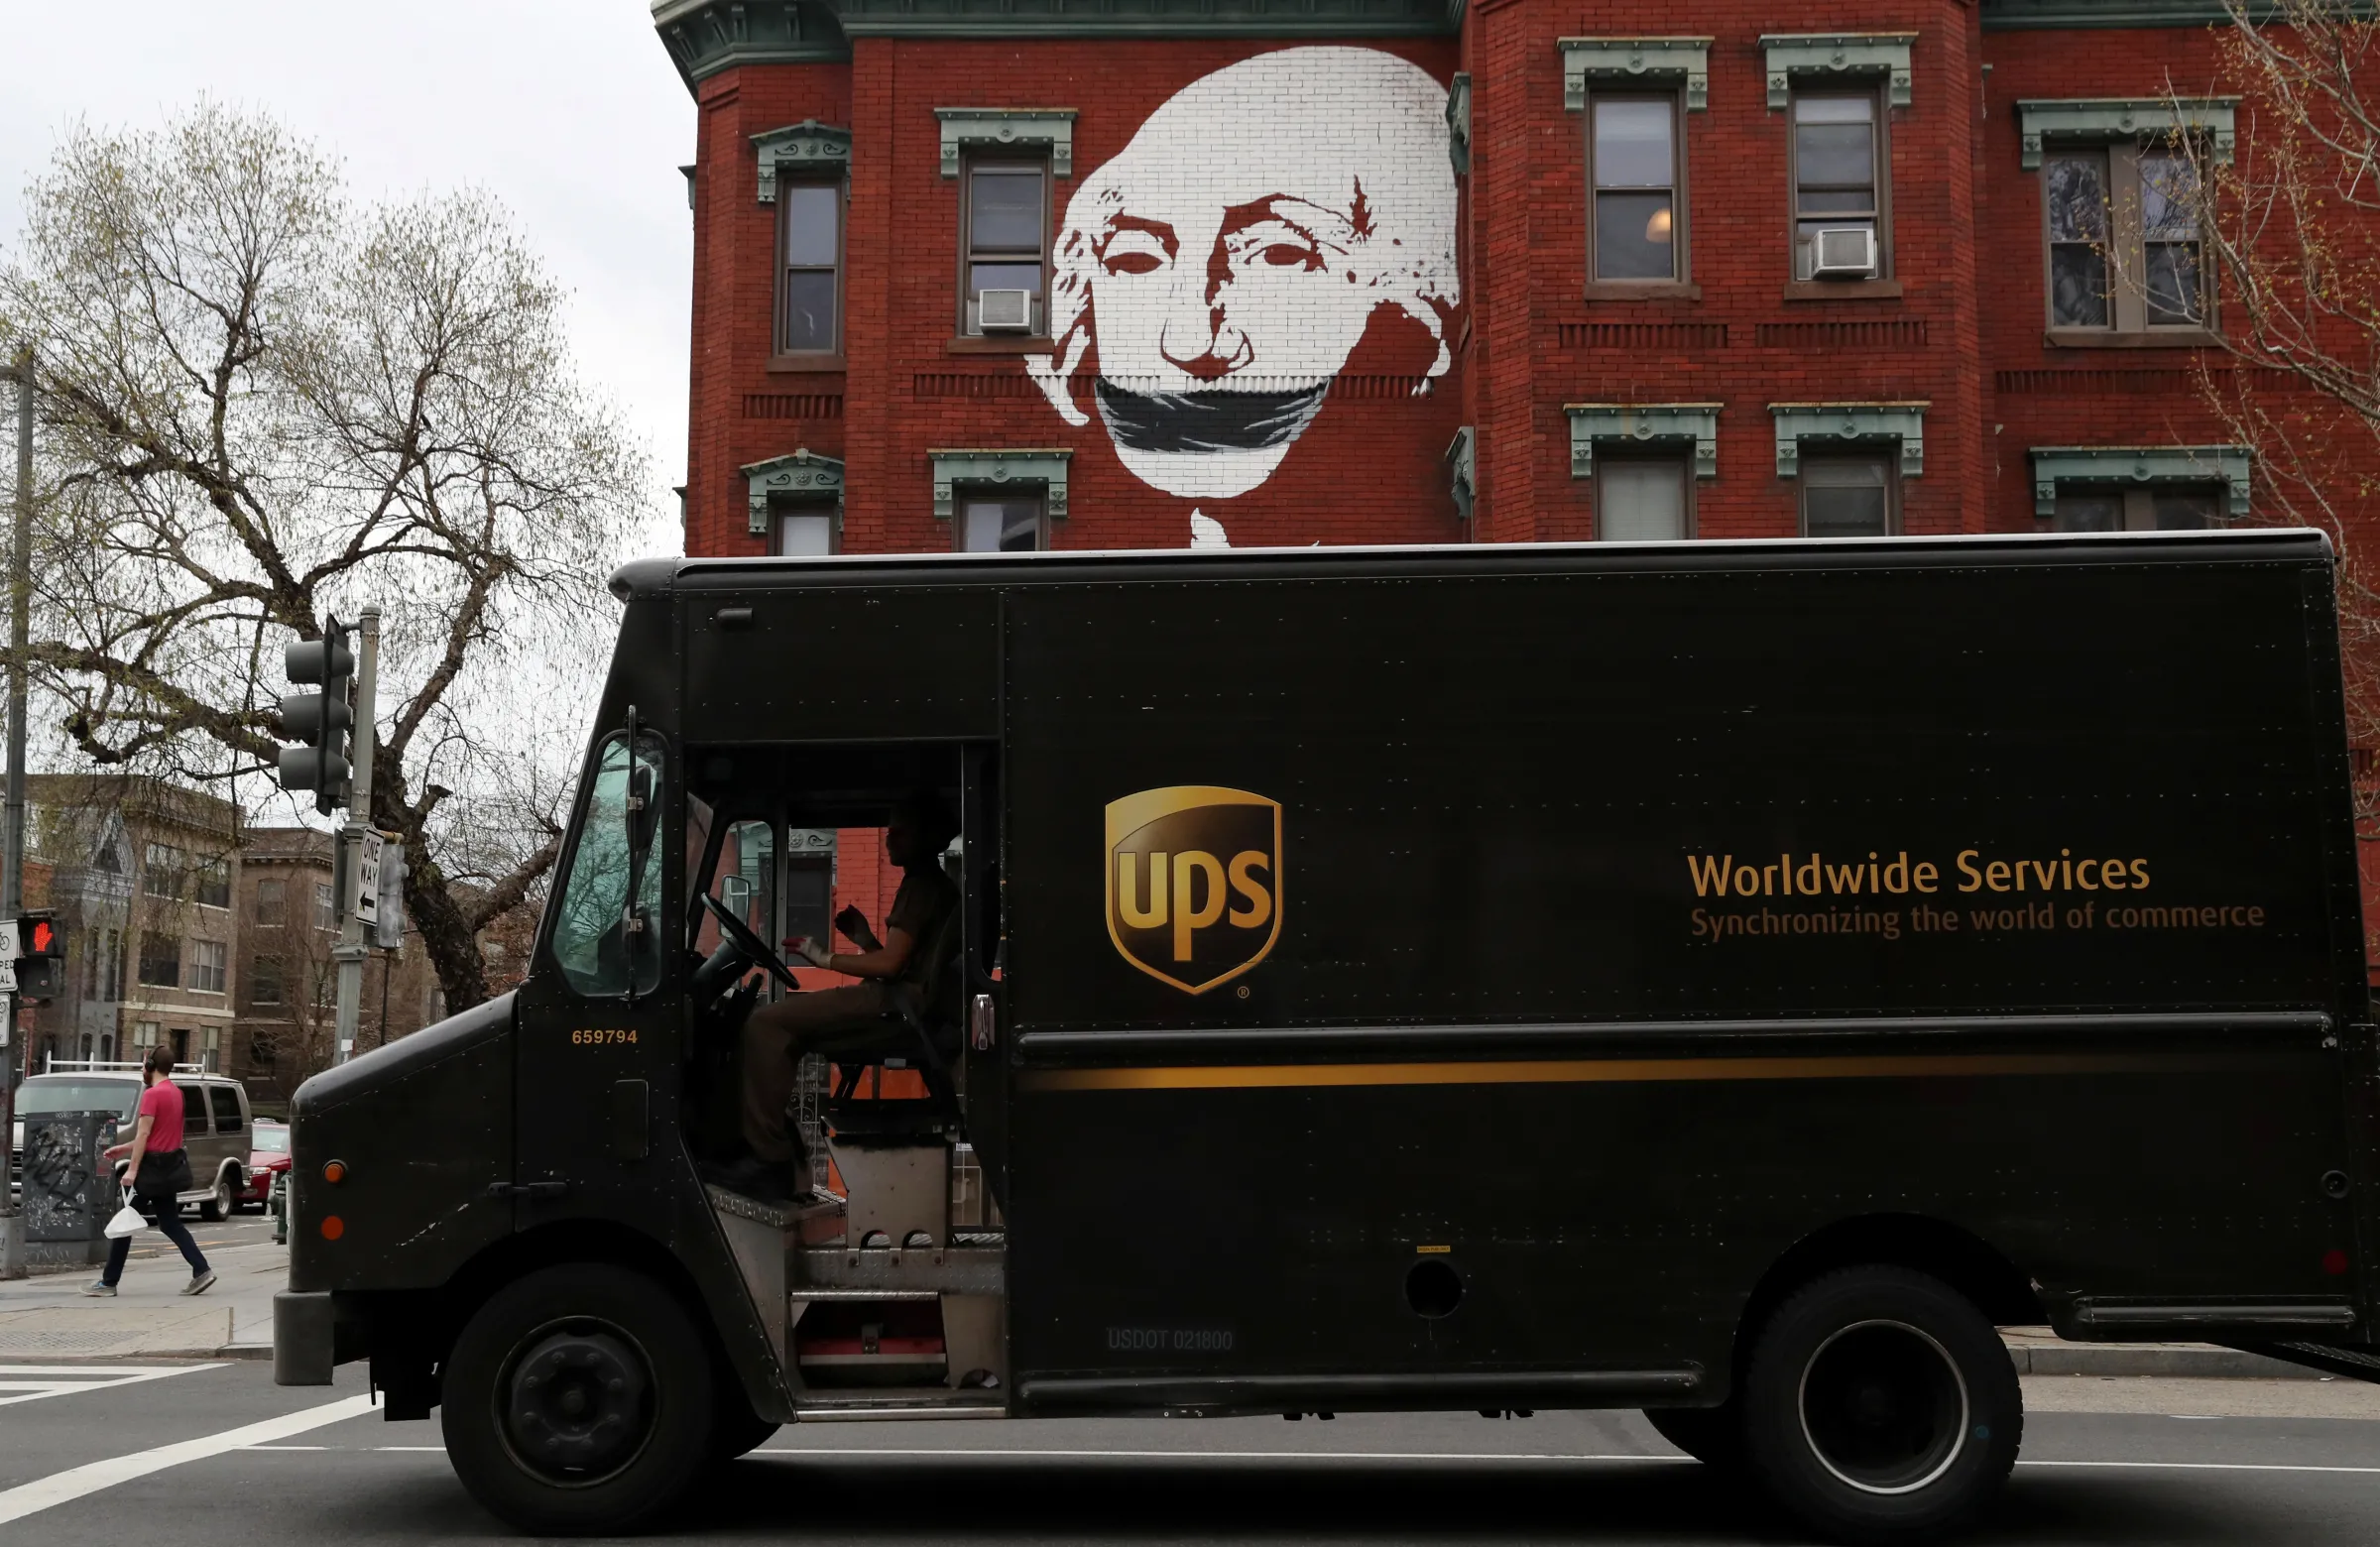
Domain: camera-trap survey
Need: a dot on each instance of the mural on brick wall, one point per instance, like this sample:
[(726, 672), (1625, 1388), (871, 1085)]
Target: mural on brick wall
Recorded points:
[(1216, 276)]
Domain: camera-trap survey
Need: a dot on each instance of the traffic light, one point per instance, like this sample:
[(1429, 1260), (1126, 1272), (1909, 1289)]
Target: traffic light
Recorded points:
[(320, 722), (41, 968)]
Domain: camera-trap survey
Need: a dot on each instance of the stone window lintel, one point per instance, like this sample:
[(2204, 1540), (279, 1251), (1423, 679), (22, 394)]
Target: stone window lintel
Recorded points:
[(802, 472), (1043, 465), (1837, 54), (2226, 465), (1041, 128), (1902, 423), (2103, 120), (1625, 62), (801, 145), (1643, 423)]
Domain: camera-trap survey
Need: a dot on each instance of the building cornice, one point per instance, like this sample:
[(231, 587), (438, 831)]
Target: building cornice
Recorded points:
[(2049, 15), (705, 36)]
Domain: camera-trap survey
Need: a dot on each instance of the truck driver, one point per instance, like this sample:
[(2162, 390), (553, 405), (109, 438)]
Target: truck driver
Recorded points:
[(858, 1022)]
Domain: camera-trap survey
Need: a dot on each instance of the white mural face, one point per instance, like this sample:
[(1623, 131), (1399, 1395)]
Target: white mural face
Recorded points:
[(1229, 260)]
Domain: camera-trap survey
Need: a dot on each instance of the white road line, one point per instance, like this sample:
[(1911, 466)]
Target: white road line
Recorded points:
[(63, 1487), (33, 1382), (2203, 1466)]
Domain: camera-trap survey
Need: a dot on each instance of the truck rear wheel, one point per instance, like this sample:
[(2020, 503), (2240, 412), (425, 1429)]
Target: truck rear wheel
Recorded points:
[(1881, 1408), (578, 1399)]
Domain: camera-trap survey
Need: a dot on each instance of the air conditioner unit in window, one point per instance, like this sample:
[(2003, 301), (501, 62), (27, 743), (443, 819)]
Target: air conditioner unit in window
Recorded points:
[(1004, 310), (1843, 253)]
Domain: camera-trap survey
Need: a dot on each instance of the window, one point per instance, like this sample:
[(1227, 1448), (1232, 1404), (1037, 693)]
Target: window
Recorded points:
[(161, 960), (1643, 498), (596, 955), (1633, 147), (226, 1105), (271, 904), (1011, 524), (143, 1037), (1848, 495), (809, 251), (1006, 238), (327, 914), (208, 959), (263, 1049), (265, 980), (104, 965), (2169, 507), (214, 883), (161, 871), (803, 530), (1838, 172), (2122, 229)]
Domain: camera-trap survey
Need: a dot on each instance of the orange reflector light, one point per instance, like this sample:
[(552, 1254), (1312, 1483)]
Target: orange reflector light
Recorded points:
[(334, 1172), (334, 1226)]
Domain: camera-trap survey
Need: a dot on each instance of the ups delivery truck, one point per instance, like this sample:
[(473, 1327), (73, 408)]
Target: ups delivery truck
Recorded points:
[(1723, 979)]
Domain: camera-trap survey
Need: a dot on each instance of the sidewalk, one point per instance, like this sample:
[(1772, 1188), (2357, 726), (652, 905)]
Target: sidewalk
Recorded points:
[(149, 1318)]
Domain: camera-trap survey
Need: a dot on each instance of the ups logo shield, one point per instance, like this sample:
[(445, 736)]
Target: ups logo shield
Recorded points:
[(1194, 883)]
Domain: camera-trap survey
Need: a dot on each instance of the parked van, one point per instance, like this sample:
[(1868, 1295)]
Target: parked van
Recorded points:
[(215, 1120)]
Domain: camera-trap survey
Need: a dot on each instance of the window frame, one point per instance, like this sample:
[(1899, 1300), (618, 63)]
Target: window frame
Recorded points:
[(209, 960), (2126, 251), (1003, 162), (164, 869), (140, 972), (1879, 167), (1806, 462), (965, 494), (276, 887), (779, 351), (782, 508), (1681, 266), (1623, 455), (267, 983)]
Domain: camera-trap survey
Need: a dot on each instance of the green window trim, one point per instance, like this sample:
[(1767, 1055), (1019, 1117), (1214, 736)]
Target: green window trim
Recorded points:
[(1643, 423), (1007, 128), (803, 472), (2104, 120), (1462, 466), (1458, 122), (1043, 465), (2127, 466), (805, 147), (1837, 54), (1901, 423), (1635, 62)]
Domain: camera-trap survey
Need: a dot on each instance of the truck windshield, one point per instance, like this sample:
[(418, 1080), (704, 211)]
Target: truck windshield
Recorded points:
[(592, 943), (40, 1096)]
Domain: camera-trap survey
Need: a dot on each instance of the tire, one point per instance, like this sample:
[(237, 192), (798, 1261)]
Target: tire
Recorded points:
[(1712, 1436), (1881, 1408), (532, 1365), (221, 1201)]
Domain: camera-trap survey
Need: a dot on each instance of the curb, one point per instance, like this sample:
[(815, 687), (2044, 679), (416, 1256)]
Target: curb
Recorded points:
[(2191, 1360)]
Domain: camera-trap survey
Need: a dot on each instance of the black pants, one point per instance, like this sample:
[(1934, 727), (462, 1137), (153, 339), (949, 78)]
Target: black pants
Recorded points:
[(164, 1211)]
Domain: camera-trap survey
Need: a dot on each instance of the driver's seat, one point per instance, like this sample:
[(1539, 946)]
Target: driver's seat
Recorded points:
[(928, 1009)]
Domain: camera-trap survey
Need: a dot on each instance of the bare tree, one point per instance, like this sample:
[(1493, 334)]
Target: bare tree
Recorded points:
[(265, 405), (2292, 226)]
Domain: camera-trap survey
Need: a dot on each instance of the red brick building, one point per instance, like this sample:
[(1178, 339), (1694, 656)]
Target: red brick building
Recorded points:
[(1406, 271)]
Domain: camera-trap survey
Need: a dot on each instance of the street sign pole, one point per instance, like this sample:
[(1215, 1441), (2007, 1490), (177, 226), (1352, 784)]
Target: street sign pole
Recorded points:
[(350, 952), (12, 860)]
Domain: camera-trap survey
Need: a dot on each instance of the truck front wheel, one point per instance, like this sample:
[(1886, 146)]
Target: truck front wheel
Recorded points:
[(578, 1399), (1881, 1408)]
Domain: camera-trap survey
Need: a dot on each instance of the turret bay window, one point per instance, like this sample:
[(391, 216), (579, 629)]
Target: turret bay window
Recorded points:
[(809, 276), (1007, 247), (1638, 223)]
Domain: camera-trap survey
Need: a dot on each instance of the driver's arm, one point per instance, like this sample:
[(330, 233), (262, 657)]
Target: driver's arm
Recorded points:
[(884, 961)]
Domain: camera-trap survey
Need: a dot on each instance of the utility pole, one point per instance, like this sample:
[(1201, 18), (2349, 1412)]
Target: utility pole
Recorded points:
[(12, 860), (351, 950)]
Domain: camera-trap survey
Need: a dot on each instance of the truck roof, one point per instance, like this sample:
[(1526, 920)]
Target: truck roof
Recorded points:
[(2265, 545)]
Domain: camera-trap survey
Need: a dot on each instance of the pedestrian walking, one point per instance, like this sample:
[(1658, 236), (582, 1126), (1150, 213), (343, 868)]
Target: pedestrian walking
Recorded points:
[(158, 1173)]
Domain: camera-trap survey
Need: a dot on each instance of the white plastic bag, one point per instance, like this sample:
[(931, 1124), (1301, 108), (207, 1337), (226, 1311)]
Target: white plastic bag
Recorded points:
[(127, 1221)]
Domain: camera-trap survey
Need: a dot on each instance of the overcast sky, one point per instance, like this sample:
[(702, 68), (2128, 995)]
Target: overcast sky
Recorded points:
[(568, 110)]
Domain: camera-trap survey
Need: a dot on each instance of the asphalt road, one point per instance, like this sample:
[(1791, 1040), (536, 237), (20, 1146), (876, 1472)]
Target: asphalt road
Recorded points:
[(2191, 1475)]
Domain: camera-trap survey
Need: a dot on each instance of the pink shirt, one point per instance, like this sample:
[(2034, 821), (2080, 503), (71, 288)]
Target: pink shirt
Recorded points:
[(162, 1105)]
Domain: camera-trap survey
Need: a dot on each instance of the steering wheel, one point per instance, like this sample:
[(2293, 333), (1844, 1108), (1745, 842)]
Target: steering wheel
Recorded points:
[(750, 946)]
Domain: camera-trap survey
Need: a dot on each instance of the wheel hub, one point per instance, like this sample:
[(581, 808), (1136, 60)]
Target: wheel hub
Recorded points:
[(1884, 1407), (577, 1405)]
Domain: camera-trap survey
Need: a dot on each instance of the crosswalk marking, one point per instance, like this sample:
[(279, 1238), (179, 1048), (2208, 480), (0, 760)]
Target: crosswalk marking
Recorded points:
[(33, 1382)]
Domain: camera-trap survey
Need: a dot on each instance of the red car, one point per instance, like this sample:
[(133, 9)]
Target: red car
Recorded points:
[(268, 1158)]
